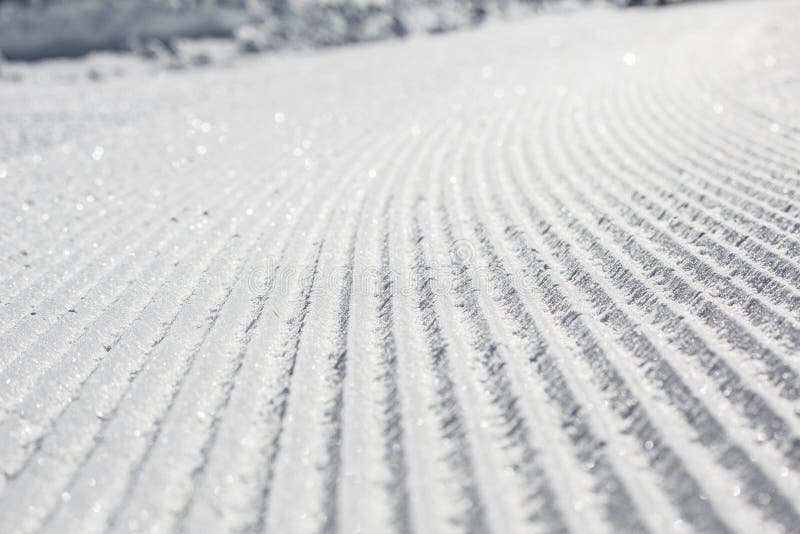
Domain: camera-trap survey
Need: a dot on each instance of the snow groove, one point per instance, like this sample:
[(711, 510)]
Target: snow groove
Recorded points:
[(538, 278)]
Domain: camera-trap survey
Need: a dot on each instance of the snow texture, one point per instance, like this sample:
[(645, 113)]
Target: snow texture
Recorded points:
[(541, 277)]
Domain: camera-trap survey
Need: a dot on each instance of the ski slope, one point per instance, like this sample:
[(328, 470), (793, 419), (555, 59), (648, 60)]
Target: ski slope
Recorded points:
[(539, 277)]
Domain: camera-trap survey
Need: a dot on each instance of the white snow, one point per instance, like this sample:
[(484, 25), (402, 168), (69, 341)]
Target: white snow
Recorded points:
[(540, 277)]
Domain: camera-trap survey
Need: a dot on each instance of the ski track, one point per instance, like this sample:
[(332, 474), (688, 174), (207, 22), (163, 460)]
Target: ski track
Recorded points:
[(537, 278)]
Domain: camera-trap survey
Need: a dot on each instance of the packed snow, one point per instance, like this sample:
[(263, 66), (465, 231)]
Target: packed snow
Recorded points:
[(538, 277)]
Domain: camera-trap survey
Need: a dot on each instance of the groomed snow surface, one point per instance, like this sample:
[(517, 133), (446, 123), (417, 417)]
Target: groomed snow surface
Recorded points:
[(541, 277)]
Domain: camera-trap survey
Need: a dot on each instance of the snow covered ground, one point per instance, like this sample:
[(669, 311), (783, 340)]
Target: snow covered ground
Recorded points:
[(540, 277), (77, 27)]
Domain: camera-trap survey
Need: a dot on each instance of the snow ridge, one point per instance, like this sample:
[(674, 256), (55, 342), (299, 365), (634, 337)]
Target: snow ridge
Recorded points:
[(537, 278)]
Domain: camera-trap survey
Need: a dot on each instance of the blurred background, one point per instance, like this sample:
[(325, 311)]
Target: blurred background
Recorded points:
[(157, 29)]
